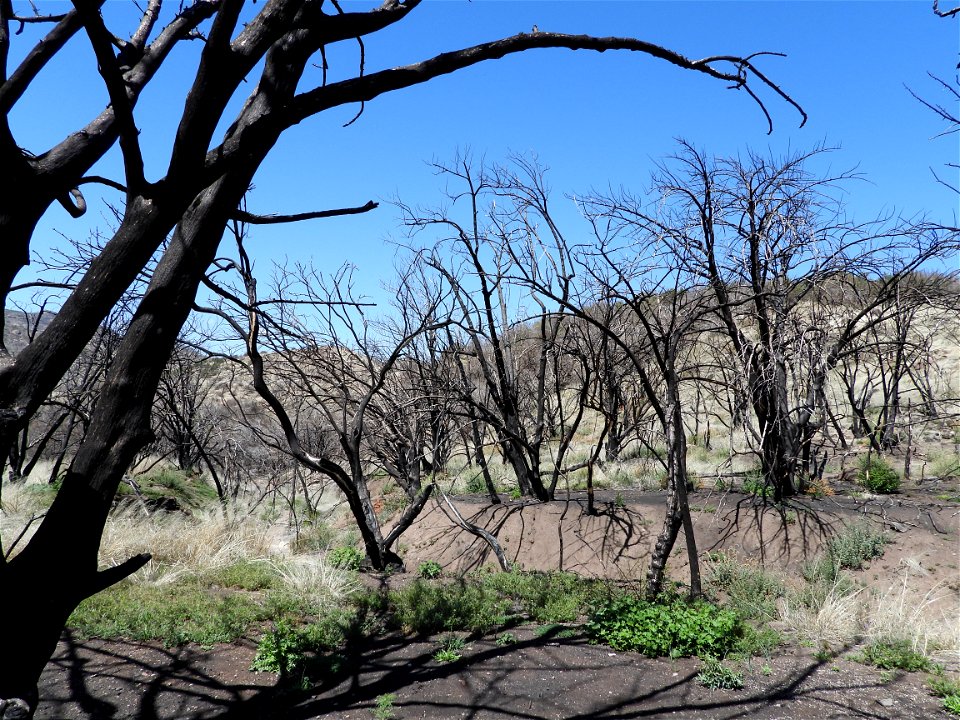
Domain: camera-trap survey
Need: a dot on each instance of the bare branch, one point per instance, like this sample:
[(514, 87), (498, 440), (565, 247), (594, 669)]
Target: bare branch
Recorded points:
[(247, 217)]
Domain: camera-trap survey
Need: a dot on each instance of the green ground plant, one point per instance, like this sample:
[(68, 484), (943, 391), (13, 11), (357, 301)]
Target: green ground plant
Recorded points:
[(894, 655), (174, 614), (547, 597), (383, 708), (748, 590), (714, 674), (297, 652), (429, 570), (451, 647), (345, 557), (877, 476), (674, 627), (946, 689), (424, 607)]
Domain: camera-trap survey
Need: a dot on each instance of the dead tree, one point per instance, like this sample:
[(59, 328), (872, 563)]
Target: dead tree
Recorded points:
[(334, 365), (794, 283), (278, 46)]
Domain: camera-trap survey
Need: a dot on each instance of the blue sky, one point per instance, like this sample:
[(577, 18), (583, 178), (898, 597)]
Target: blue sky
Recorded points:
[(595, 119)]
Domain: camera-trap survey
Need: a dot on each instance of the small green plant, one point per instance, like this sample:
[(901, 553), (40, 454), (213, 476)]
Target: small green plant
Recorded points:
[(948, 690), (345, 557), (855, 545), (384, 709), (749, 590), (877, 476), (506, 638), (717, 676), (895, 655), (280, 651), (766, 671), (313, 536), (754, 484), (672, 628), (450, 649), (547, 597), (515, 493), (555, 631), (618, 501), (429, 570), (476, 485)]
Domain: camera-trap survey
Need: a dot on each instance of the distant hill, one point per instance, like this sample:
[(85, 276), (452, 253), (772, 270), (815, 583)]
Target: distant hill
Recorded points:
[(19, 326)]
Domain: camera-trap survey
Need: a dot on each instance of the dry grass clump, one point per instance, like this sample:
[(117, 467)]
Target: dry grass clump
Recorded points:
[(22, 505), (315, 582), (926, 622), (831, 615), (183, 545)]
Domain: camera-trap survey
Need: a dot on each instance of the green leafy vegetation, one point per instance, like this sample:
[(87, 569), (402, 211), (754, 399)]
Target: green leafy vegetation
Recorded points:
[(547, 597), (297, 653), (451, 647), (383, 708), (947, 689), (754, 484), (714, 674), (174, 614), (429, 570), (674, 627), (895, 655), (190, 490), (749, 591), (849, 549), (345, 557), (424, 607), (877, 476)]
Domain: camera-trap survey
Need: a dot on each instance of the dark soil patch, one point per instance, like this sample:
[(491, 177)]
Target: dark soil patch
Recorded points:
[(534, 677)]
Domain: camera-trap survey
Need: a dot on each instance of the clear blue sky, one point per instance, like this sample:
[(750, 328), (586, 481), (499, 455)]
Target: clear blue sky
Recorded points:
[(595, 119)]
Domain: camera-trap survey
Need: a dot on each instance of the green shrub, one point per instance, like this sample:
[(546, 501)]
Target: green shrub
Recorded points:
[(188, 489), (856, 544), (750, 591), (293, 652), (895, 655), (754, 484), (878, 477), (384, 709), (547, 597), (345, 557), (426, 608), (430, 570), (717, 676), (476, 485), (674, 627), (314, 537), (280, 651)]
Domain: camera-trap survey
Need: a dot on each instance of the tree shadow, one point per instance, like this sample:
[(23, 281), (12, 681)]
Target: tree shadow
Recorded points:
[(548, 675)]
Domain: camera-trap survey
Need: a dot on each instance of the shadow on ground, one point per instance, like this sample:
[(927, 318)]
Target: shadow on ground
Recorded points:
[(535, 677)]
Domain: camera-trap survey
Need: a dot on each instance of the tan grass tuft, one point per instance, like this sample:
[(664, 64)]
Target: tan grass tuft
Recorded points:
[(833, 617), (182, 545)]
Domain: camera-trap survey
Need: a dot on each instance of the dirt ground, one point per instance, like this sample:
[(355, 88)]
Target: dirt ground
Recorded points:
[(546, 676)]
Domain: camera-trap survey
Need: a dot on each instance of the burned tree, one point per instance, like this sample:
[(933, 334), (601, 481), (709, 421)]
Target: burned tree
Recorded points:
[(277, 46)]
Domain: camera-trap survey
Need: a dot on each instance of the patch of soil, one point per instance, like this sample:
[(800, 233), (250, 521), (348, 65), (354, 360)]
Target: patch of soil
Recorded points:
[(549, 677), (534, 677), (616, 542)]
